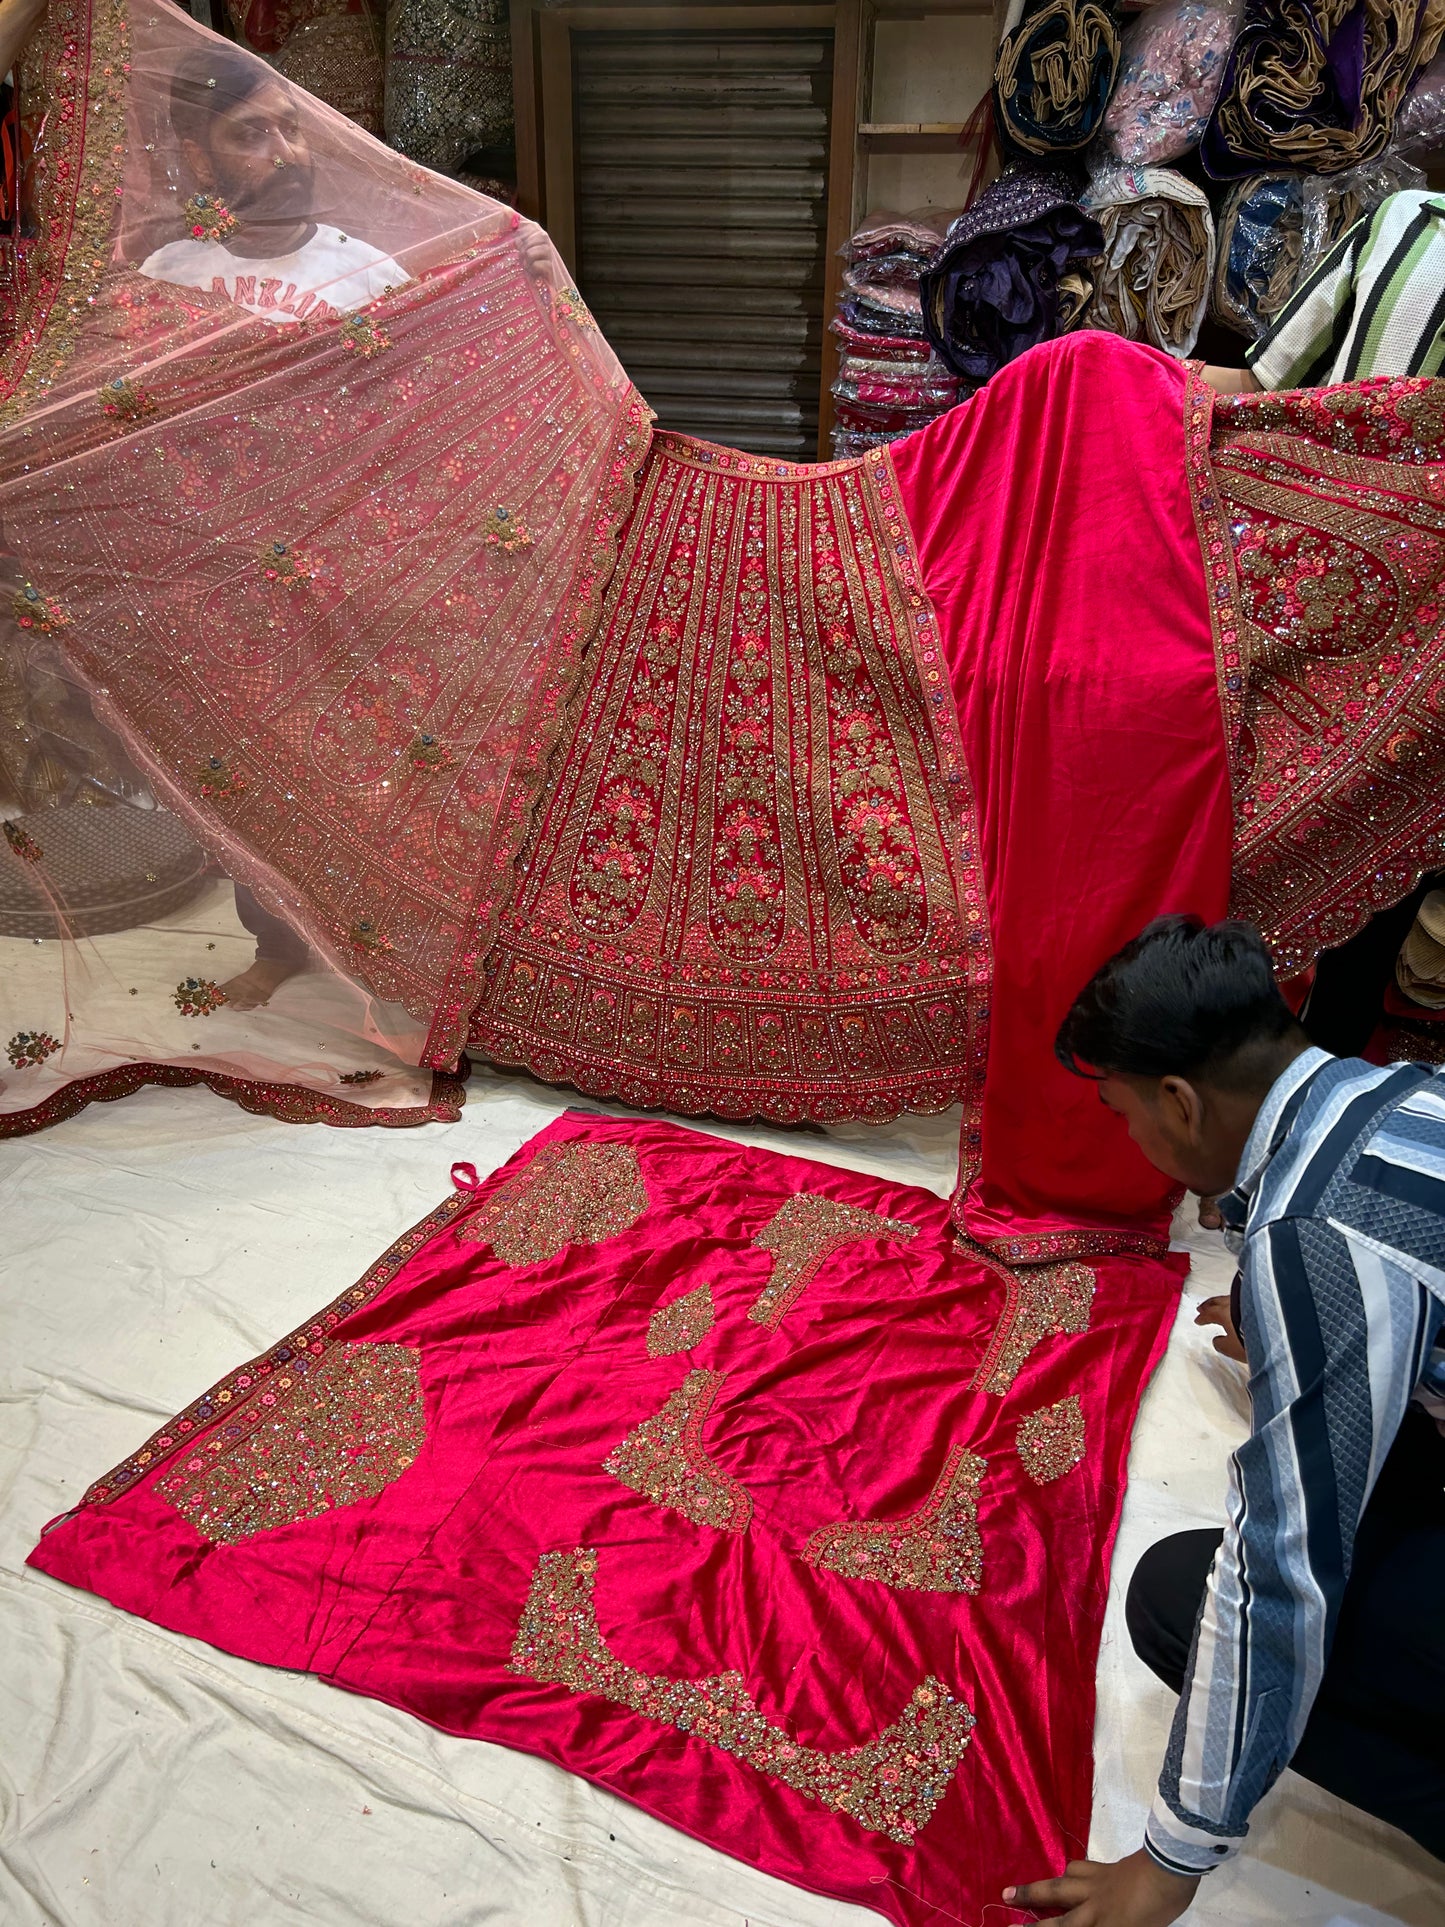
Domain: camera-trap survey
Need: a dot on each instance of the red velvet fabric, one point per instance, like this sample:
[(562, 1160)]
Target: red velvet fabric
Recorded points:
[(1056, 537), (845, 1409)]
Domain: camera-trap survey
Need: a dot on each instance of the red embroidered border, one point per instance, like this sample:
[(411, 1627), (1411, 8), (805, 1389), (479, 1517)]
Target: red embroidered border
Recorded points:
[(1217, 554), (291, 1103), (228, 1399)]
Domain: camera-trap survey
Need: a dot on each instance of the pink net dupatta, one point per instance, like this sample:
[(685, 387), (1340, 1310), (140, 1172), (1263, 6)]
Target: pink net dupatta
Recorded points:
[(311, 467)]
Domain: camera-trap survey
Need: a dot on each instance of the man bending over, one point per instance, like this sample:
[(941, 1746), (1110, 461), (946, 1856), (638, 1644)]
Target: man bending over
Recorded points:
[(1311, 1631)]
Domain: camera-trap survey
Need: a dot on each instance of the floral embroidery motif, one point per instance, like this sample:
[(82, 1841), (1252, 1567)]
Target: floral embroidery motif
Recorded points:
[(1051, 1441), (682, 1324), (209, 219), (664, 1459), (570, 305), (365, 936), (23, 843), (427, 753), (32, 611), (198, 997), (363, 337), (27, 1048), (503, 530), (361, 1077), (1046, 1301), (333, 1432), (935, 1549), (569, 1194), (123, 400), (890, 1786), (216, 779), (288, 568), (802, 1234)]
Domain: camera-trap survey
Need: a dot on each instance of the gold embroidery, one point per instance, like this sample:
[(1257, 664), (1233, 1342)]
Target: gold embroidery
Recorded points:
[(1046, 1301), (935, 1549), (665, 1460), (805, 1231), (570, 1194), (682, 1324), (890, 1786), (338, 1432), (1051, 1441)]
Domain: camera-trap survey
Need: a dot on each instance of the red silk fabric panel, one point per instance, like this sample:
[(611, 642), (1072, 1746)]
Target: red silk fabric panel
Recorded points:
[(1056, 537), (484, 1398)]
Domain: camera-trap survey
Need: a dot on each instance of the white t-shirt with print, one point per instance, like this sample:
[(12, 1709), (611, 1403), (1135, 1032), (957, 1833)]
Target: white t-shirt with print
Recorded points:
[(331, 274)]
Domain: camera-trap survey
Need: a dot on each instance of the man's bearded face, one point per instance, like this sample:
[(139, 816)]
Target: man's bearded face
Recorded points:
[(262, 163)]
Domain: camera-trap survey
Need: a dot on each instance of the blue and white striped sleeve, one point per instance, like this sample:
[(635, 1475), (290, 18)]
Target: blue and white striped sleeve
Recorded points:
[(1340, 1333)]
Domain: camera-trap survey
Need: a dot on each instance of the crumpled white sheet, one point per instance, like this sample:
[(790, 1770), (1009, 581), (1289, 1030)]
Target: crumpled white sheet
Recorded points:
[(148, 1781)]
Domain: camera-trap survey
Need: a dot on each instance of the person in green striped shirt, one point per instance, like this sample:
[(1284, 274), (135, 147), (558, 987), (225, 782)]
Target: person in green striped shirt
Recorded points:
[(1375, 305)]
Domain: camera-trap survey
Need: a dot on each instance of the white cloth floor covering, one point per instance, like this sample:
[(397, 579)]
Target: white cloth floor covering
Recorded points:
[(149, 1781)]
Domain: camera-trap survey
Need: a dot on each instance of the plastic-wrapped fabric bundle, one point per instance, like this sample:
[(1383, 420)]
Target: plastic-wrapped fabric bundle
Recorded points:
[(1057, 60), (1274, 228), (890, 383), (1153, 282), (448, 80), (1170, 73), (1420, 123), (1317, 86), (1015, 269)]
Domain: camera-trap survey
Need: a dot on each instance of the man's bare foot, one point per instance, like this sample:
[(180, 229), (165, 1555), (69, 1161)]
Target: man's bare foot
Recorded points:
[(1209, 1217), (255, 986)]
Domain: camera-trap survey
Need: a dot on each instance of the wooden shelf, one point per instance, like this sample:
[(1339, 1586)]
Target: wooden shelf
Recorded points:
[(916, 137)]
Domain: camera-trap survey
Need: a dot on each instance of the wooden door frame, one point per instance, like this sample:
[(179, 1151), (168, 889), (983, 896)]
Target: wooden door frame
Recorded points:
[(542, 86)]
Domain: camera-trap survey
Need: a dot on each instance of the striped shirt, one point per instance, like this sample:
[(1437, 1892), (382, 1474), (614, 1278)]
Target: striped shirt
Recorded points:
[(1375, 305), (1338, 1219)]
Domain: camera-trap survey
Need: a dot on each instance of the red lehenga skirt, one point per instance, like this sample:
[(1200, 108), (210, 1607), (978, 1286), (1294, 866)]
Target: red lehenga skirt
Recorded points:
[(874, 763)]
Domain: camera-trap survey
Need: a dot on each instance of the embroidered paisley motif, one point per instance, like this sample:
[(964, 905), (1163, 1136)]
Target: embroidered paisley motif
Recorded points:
[(338, 1431), (569, 1194), (682, 1324), (1051, 1441), (935, 1549), (890, 1786), (802, 1234), (1043, 1301), (665, 1460)]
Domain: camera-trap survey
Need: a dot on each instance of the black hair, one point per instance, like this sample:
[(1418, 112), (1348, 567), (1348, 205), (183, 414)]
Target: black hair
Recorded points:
[(1185, 999), (209, 81)]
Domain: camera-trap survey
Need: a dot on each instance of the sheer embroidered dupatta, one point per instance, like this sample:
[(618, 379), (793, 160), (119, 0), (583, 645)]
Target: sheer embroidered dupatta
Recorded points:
[(293, 603)]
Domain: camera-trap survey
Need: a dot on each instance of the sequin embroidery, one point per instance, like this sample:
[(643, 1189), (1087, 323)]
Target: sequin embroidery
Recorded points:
[(802, 1235), (336, 1433), (890, 1786), (123, 400), (1051, 1441), (682, 1324), (27, 1048), (935, 1549), (23, 843), (198, 996), (1045, 1301), (32, 611), (665, 1460), (569, 1194)]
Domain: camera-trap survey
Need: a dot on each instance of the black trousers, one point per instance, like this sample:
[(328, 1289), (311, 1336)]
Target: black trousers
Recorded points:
[(1376, 1736)]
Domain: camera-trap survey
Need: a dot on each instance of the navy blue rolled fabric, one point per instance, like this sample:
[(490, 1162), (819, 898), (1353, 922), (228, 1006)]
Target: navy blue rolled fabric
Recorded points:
[(1057, 62)]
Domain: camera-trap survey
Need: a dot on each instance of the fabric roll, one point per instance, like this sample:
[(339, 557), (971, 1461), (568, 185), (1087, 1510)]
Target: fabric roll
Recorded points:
[(1153, 281), (1015, 269), (1317, 87), (1170, 73), (1257, 260), (1056, 65)]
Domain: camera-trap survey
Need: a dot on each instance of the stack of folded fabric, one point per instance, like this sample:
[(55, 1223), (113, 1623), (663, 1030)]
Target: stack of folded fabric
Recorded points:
[(1153, 282), (1015, 269), (890, 381)]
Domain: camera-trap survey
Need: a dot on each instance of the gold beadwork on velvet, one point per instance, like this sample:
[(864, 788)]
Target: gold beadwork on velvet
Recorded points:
[(890, 1786), (935, 1549), (337, 1433), (665, 1460), (682, 1324), (1051, 1441), (1045, 1301), (1323, 533), (753, 887), (804, 1232), (569, 1194)]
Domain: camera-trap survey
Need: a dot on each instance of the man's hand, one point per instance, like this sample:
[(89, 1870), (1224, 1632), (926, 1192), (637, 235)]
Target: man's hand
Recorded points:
[(1218, 1311), (1136, 1892)]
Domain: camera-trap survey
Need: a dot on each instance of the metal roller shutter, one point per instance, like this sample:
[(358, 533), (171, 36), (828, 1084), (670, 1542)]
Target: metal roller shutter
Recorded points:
[(701, 204)]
